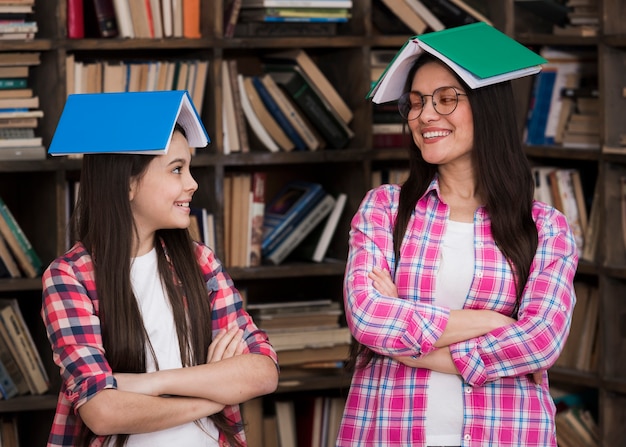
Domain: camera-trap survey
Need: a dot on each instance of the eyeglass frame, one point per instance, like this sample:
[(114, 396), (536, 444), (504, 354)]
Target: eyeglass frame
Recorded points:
[(432, 100)]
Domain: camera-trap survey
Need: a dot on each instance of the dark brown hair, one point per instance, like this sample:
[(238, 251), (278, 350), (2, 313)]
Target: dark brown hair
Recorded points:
[(103, 222), (503, 177)]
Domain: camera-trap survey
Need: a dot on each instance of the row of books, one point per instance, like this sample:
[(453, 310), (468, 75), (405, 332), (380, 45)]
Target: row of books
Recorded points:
[(420, 16), (21, 367), (285, 17), (576, 426), (9, 432), (566, 86), (138, 75), (291, 106), (133, 19), (562, 188), (19, 108), (310, 421), (300, 220), (581, 349), (17, 22), (18, 258)]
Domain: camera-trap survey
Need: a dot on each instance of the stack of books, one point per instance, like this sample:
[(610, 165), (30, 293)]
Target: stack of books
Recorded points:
[(305, 334), (292, 106), (16, 23), (19, 108), (287, 17), (294, 213), (582, 129)]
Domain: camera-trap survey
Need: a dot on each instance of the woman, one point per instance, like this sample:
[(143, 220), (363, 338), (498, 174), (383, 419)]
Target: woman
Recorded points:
[(458, 286), (153, 343)]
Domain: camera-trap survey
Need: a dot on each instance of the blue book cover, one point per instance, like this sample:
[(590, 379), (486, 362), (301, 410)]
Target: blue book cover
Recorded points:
[(8, 389), (289, 205), (540, 108), (278, 115), (126, 122)]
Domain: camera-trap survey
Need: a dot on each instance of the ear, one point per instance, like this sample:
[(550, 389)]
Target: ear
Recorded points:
[(134, 184)]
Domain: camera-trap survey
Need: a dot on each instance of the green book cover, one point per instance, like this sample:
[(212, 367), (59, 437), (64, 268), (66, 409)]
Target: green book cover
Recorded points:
[(479, 53)]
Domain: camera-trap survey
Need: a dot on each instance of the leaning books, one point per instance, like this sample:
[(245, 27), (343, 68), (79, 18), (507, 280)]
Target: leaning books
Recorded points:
[(479, 53)]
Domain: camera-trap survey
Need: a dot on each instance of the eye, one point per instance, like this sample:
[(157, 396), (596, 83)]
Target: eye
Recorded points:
[(177, 170)]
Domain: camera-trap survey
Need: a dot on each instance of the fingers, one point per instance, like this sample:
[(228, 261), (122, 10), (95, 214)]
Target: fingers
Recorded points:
[(537, 377), (381, 279), (227, 343)]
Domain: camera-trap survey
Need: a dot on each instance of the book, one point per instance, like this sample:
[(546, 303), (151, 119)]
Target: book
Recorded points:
[(463, 50), (291, 112), (450, 13), (10, 83), (123, 18), (231, 132), (253, 120), (23, 153), (12, 325), (406, 15), (100, 18), (191, 19), (321, 114), (96, 123), (295, 236), (316, 77), (296, 3), (8, 261), (286, 422), (75, 19), (311, 338), (231, 16), (539, 108), (426, 14), (291, 201), (8, 389), (157, 18), (20, 245), (315, 245), (12, 368), (335, 353), (277, 113), (240, 118)]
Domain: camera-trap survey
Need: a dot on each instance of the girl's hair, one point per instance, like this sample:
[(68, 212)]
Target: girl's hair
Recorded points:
[(503, 176), (103, 222)]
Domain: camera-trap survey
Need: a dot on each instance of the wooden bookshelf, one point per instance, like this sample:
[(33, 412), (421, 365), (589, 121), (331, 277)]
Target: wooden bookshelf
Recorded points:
[(35, 191)]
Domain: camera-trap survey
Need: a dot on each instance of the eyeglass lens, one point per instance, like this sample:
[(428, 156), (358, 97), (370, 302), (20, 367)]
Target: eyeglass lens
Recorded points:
[(444, 99)]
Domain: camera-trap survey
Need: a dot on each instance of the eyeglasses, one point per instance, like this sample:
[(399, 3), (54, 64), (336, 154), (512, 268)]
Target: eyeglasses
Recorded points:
[(444, 99)]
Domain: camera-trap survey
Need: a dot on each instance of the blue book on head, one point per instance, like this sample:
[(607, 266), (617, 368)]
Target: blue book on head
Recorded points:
[(127, 122)]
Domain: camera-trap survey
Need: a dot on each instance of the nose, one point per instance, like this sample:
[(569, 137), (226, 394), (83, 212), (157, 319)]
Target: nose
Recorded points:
[(428, 108), (191, 184)]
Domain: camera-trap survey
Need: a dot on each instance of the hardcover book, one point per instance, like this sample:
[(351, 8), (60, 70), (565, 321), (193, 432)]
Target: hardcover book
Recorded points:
[(288, 204), (98, 123), (479, 53)]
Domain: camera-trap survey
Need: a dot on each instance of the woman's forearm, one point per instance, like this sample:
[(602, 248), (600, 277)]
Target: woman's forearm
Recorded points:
[(464, 324), (113, 412)]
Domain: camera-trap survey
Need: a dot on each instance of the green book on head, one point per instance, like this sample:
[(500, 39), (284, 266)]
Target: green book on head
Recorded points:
[(128, 122), (479, 53)]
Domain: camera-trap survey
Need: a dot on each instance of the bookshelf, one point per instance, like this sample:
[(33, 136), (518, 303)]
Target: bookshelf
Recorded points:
[(35, 191)]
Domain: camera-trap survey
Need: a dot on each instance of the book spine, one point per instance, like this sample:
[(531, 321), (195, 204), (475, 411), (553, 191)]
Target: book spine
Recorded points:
[(12, 83), (540, 107), (278, 115), (307, 225), (256, 217), (7, 386), (75, 19), (12, 367), (191, 19), (105, 17)]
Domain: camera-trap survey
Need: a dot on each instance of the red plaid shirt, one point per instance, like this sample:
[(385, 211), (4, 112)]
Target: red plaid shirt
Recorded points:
[(70, 314)]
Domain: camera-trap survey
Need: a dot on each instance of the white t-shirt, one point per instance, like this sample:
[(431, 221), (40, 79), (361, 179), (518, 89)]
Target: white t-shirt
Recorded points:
[(444, 413), (159, 323)]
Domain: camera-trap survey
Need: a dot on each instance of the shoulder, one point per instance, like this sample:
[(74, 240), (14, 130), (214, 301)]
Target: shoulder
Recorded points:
[(76, 260), (548, 219), (383, 196)]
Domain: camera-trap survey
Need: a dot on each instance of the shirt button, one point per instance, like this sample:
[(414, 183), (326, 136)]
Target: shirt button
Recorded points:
[(467, 437), (468, 389), (479, 274)]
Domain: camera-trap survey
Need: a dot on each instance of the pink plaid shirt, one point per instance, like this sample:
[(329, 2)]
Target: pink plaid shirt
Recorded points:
[(503, 407), (70, 314)]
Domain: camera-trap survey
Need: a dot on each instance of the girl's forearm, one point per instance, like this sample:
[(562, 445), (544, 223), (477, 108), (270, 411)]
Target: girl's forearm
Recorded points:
[(465, 324)]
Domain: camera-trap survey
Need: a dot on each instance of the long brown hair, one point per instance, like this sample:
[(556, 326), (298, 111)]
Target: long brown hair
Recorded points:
[(503, 176), (103, 222)]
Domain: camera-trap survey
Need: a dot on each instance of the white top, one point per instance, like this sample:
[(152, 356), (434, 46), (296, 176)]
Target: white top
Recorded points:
[(159, 323), (444, 414)]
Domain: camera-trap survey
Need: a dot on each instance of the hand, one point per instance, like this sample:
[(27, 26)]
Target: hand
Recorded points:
[(382, 282), (227, 343), (537, 377)]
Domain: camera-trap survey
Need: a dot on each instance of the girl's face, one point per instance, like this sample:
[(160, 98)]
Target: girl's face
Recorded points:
[(442, 139), (161, 197)]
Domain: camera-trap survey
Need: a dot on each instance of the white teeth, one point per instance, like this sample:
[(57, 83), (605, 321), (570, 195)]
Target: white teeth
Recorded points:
[(183, 204), (435, 134)]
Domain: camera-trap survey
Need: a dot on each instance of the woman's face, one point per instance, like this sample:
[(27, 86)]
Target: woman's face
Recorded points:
[(442, 139), (161, 197)]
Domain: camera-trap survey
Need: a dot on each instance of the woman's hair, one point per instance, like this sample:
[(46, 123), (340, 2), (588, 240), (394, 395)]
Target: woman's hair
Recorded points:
[(503, 177), (103, 222)]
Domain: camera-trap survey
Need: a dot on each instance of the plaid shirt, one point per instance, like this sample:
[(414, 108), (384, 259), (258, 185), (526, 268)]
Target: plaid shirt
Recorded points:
[(502, 405), (70, 313)]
